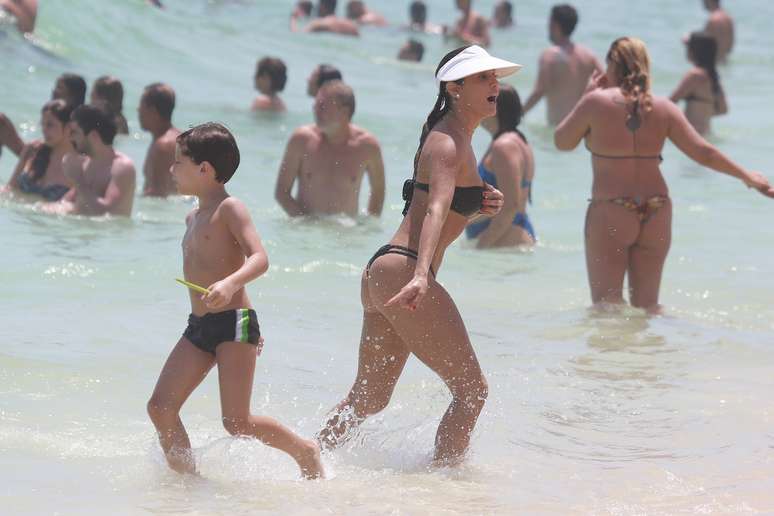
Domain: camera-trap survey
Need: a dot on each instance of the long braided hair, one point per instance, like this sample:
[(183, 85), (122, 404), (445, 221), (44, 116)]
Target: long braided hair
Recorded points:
[(633, 69), (442, 106)]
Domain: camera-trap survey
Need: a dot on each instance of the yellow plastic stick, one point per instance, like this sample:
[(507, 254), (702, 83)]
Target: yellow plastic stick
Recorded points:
[(193, 286)]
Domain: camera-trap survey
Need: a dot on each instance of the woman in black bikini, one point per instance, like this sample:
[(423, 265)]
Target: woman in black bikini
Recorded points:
[(700, 87), (40, 171), (629, 219), (405, 310)]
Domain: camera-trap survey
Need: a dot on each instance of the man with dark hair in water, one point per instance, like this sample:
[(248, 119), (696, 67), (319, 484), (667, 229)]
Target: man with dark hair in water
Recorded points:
[(502, 17), (564, 69), (23, 11), (471, 28), (418, 19), (326, 21), (155, 113), (329, 158), (721, 27), (320, 75), (104, 179)]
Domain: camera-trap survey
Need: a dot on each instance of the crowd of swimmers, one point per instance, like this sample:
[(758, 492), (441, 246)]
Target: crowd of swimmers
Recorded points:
[(406, 311)]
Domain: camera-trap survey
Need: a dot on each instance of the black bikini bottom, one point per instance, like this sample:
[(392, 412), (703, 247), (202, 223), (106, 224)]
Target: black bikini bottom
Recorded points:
[(395, 249)]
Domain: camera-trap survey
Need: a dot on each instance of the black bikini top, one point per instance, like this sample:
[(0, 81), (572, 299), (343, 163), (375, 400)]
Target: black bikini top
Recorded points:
[(467, 200)]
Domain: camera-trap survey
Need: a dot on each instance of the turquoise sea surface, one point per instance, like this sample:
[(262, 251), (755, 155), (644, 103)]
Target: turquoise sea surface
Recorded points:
[(587, 413)]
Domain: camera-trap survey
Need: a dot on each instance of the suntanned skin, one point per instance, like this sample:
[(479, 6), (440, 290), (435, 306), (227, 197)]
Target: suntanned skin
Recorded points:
[(697, 83), (617, 242), (720, 26), (269, 99), (25, 12), (161, 152), (359, 13), (510, 159), (405, 311), (104, 179), (222, 250), (329, 160), (472, 27), (563, 75), (57, 136), (326, 22)]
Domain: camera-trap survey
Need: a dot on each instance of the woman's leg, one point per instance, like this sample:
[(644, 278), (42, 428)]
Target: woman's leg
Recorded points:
[(183, 371), (236, 369), (610, 230), (381, 359), (435, 333), (647, 257)]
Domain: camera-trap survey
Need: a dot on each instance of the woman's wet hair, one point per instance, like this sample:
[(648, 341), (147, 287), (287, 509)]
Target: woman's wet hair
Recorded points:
[(275, 69), (76, 88), (632, 68), (704, 51), (61, 110), (213, 143), (509, 112), (442, 105), (111, 91)]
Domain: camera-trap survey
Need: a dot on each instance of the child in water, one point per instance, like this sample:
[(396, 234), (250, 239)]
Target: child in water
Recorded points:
[(221, 249)]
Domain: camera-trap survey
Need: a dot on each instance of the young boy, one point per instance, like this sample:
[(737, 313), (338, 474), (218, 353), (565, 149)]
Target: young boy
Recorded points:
[(270, 78), (222, 251)]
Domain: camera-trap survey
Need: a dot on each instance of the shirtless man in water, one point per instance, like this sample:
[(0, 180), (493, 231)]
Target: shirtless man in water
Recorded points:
[(25, 12), (721, 27), (155, 113), (564, 69), (326, 21), (105, 180), (471, 28), (329, 159)]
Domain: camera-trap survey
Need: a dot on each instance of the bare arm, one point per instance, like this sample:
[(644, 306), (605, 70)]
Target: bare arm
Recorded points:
[(375, 170), (541, 84), (507, 168), (239, 224), (9, 136), (290, 167), (575, 125), (121, 187), (690, 142), (721, 105), (683, 89), (479, 35)]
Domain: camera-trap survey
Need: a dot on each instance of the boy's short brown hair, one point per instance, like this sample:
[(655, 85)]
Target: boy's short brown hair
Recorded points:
[(213, 143)]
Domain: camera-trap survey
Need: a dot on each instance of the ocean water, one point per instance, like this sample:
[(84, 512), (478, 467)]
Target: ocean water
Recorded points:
[(587, 413)]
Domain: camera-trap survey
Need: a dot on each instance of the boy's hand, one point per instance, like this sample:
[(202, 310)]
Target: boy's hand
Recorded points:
[(220, 294)]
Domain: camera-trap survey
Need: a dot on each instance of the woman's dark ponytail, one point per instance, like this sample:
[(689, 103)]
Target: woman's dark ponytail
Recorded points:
[(441, 107)]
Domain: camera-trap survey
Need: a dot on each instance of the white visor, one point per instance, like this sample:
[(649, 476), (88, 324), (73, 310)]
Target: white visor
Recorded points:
[(474, 59)]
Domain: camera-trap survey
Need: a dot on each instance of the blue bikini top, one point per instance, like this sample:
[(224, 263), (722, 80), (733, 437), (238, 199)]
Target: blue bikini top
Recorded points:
[(490, 178)]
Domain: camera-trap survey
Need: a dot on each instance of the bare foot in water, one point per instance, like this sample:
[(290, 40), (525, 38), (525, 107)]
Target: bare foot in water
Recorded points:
[(310, 462)]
